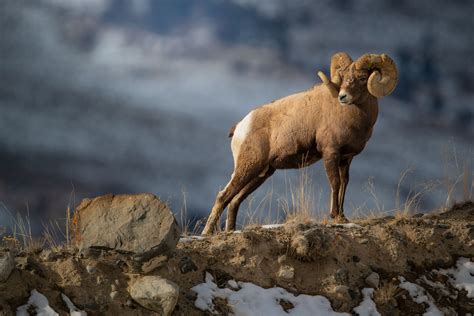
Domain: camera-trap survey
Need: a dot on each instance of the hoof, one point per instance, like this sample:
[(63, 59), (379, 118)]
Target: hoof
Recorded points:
[(208, 231), (341, 219)]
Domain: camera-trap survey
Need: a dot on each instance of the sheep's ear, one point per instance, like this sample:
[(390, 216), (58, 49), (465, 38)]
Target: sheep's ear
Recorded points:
[(331, 86)]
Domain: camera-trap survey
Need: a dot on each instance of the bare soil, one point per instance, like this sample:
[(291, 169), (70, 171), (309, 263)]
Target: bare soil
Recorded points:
[(323, 257)]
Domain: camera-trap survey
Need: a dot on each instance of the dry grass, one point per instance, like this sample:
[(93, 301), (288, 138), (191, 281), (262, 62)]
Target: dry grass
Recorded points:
[(301, 203), (20, 236), (387, 292), (260, 213), (185, 222), (458, 177)]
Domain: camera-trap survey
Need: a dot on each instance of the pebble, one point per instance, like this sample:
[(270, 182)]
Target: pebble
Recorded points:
[(113, 294), (90, 269), (186, 265), (286, 273), (341, 276), (373, 280)]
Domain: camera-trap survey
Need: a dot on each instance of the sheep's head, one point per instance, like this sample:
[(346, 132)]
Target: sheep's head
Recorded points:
[(352, 81)]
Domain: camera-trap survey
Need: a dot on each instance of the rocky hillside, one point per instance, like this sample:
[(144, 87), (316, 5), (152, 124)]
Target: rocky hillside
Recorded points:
[(128, 259)]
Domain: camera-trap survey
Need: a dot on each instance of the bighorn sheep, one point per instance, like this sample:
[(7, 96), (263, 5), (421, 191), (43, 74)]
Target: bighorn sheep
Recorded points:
[(332, 121)]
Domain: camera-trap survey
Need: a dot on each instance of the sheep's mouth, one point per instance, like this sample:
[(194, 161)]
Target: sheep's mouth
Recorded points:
[(344, 102)]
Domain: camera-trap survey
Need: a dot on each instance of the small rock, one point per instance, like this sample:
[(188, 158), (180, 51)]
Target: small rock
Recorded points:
[(233, 284), (113, 294), (443, 226), (342, 292), (418, 215), (113, 287), (341, 276), (363, 241), (47, 255), (155, 293), (282, 259), (7, 264), (300, 245), (187, 265), (90, 269), (373, 280), (129, 303), (153, 264), (117, 282), (286, 273)]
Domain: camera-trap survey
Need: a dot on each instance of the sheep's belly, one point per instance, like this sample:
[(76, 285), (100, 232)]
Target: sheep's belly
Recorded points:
[(296, 160)]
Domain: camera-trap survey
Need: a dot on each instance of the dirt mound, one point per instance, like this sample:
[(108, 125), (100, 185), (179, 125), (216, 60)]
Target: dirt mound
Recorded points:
[(414, 258)]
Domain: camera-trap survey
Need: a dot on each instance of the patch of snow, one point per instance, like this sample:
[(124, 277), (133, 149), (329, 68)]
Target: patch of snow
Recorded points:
[(73, 310), (252, 299), (437, 285), (419, 295), (272, 226), (39, 302), (191, 238), (367, 306), (462, 277)]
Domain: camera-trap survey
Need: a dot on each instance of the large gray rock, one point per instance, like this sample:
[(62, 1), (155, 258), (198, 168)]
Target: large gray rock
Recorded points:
[(140, 224), (7, 264), (155, 293)]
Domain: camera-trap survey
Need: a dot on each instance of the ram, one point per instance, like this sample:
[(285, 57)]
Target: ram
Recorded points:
[(332, 121)]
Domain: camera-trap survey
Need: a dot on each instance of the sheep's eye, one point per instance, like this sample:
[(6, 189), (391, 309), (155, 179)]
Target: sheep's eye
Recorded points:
[(363, 79)]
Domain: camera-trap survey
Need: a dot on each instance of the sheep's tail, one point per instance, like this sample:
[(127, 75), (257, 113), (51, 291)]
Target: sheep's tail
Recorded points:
[(232, 130)]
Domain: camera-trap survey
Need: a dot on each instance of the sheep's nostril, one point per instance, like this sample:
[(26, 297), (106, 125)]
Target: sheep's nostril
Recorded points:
[(342, 97)]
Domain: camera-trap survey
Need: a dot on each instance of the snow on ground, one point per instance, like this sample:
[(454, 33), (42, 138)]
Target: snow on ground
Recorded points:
[(73, 310), (272, 226), (41, 306), (462, 276), (249, 299), (419, 295), (367, 306), (39, 302)]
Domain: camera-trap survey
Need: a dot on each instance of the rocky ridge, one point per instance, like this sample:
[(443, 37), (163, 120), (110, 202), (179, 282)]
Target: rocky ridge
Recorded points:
[(402, 265)]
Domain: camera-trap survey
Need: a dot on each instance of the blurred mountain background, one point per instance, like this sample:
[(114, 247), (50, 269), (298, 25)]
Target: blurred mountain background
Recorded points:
[(100, 96)]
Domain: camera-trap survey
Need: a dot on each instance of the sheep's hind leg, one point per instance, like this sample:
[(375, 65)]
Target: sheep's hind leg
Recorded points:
[(242, 195), (223, 198)]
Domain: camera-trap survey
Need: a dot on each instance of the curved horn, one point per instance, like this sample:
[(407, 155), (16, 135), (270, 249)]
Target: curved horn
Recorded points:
[(384, 76), (339, 61), (330, 85)]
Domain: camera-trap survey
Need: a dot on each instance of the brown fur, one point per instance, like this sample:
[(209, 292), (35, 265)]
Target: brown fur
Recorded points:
[(296, 131)]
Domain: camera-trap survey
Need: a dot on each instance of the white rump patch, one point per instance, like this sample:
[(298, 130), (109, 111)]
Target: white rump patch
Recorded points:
[(240, 134), (243, 127)]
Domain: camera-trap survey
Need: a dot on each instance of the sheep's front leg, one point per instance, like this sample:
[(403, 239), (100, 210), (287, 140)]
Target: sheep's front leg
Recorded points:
[(344, 176), (331, 164)]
